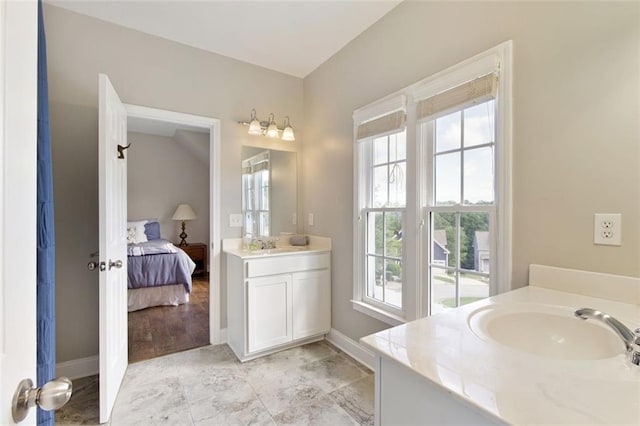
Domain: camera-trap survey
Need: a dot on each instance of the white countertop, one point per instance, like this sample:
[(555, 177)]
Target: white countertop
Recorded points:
[(280, 251), (515, 386), (234, 246)]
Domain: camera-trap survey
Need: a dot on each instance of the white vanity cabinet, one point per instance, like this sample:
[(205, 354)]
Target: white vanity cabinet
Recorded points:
[(269, 307), (274, 302)]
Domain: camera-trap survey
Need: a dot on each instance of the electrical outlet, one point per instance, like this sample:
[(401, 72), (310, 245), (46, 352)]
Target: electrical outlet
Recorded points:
[(310, 219), (607, 229), (235, 220)]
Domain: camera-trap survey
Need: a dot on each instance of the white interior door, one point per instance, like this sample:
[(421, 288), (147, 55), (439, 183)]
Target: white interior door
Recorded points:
[(18, 132), (113, 250)]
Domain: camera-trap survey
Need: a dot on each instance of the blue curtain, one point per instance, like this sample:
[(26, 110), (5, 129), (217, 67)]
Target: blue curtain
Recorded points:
[(46, 304)]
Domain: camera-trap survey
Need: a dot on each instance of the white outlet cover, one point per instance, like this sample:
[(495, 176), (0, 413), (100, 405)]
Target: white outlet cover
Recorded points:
[(607, 229), (235, 220)]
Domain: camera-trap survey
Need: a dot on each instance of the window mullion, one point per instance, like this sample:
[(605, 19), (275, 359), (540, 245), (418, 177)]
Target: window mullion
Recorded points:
[(458, 252), (462, 151), (384, 257)]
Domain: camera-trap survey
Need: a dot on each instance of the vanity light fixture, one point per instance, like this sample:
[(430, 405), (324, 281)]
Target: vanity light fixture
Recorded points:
[(269, 128)]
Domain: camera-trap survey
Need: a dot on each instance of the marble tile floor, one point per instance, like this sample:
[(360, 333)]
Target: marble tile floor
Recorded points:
[(314, 384)]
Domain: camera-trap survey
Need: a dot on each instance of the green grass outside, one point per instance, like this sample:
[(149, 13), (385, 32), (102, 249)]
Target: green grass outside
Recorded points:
[(451, 302)]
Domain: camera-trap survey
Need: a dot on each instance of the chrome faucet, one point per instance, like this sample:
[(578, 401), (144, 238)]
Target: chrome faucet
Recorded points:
[(631, 339), (260, 244)]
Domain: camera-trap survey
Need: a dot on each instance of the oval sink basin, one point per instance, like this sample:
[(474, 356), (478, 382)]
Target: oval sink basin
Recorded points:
[(547, 331)]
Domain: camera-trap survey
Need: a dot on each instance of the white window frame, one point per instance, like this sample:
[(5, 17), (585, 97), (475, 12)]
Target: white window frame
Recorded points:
[(415, 235), (366, 148), (361, 302)]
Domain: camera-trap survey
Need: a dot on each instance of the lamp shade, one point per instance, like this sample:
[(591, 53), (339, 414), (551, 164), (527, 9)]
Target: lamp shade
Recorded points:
[(287, 133), (184, 212), (272, 130), (254, 127)]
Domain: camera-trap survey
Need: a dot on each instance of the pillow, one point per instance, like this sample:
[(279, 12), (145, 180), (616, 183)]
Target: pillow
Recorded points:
[(135, 232), (152, 230)]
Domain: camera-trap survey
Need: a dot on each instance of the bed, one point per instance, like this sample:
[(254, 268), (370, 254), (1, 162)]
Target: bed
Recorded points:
[(159, 273)]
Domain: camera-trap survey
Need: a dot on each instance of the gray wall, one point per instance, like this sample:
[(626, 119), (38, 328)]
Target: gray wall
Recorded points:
[(149, 71), (576, 132), (162, 174)]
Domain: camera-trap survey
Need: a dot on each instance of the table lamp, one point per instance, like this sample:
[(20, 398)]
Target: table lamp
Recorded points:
[(184, 212)]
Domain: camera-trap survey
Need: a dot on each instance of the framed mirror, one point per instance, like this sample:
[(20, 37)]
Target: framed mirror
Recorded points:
[(269, 192)]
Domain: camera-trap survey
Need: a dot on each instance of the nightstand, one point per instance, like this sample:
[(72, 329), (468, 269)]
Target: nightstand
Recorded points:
[(198, 253)]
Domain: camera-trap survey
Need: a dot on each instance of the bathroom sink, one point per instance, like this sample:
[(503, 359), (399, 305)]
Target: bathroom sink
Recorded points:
[(545, 330), (279, 250)]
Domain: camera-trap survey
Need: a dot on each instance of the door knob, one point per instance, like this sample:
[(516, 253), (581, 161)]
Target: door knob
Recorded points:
[(51, 396), (116, 264)]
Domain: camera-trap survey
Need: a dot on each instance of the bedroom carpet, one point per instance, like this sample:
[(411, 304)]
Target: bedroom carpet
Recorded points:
[(314, 384), (163, 330)]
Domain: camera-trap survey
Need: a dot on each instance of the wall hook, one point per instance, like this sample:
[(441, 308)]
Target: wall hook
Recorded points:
[(121, 150)]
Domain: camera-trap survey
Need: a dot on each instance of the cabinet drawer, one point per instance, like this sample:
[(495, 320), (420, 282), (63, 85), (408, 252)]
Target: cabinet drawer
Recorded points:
[(285, 264)]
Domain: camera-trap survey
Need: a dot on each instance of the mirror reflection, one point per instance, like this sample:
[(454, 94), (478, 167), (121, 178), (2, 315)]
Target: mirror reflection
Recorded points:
[(269, 192)]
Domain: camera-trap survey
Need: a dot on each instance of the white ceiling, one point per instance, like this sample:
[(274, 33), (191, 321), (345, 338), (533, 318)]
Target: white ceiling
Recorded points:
[(293, 37)]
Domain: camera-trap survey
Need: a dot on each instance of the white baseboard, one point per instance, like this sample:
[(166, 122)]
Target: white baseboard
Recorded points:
[(351, 347), (77, 368)]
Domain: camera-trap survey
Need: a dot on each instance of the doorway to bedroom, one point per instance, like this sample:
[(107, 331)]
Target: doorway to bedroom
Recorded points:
[(169, 211)]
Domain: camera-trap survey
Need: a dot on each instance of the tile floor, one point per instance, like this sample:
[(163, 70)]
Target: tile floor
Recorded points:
[(163, 330), (314, 384)]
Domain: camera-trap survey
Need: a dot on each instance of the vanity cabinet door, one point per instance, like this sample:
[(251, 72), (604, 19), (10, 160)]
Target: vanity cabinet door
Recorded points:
[(311, 303), (269, 311)]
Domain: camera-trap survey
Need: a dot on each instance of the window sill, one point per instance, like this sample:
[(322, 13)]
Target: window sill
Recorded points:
[(378, 313)]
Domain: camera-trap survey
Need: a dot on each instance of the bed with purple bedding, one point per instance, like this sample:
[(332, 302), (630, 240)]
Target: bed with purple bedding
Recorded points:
[(159, 273)]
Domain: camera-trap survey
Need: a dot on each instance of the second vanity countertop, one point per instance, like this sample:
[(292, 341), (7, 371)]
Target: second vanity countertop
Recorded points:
[(515, 386), (316, 245)]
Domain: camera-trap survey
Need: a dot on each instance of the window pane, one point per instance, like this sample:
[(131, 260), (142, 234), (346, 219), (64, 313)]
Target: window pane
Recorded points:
[(265, 198), (474, 240), (444, 250), (248, 223), (393, 234), (473, 288), (443, 290), (380, 186), (264, 224), (393, 289), (380, 150), (447, 179), (375, 281), (397, 147), (479, 124), (448, 132), (478, 176), (375, 225), (397, 188), (249, 199)]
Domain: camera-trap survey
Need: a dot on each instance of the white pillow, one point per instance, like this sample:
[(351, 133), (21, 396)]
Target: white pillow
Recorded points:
[(135, 232)]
